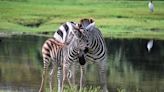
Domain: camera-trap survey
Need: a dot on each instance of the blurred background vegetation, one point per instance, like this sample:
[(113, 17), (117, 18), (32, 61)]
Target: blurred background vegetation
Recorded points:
[(118, 19)]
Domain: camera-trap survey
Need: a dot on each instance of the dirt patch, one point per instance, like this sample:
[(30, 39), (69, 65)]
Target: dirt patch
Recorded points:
[(31, 22), (119, 16), (155, 29), (34, 23)]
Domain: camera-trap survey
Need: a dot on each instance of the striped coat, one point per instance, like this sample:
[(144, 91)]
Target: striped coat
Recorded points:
[(97, 51), (54, 51)]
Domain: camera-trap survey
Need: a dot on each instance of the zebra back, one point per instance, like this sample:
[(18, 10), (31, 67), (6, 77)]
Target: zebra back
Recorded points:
[(51, 50), (65, 32)]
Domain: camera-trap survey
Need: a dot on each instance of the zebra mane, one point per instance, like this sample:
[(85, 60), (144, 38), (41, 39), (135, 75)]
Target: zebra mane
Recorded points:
[(85, 22)]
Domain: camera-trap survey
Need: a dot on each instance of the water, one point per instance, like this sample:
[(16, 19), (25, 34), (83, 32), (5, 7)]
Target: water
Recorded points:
[(131, 68)]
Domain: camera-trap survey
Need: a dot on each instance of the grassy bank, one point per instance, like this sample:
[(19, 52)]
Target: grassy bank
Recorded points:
[(66, 89), (120, 19)]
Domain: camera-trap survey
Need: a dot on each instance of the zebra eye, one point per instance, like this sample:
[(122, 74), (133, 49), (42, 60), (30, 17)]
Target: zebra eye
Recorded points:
[(87, 41), (80, 26)]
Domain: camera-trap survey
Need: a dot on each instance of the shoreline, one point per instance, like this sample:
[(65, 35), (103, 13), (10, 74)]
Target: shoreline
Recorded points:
[(50, 34)]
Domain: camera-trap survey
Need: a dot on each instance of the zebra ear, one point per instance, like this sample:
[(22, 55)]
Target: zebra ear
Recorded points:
[(75, 26), (91, 20), (90, 26)]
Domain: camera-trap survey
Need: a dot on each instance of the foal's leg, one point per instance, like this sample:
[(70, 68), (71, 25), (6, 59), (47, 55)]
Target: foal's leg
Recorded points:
[(65, 72), (81, 77), (44, 77), (73, 73), (69, 75), (51, 81), (60, 77)]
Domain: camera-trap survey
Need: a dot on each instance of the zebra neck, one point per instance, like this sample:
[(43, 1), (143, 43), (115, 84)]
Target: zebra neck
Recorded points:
[(73, 51), (96, 44)]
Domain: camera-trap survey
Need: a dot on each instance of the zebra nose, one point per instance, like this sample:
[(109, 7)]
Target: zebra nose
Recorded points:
[(86, 49)]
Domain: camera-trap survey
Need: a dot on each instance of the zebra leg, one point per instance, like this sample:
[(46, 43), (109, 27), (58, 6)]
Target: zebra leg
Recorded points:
[(51, 80), (43, 81), (59, 76), (71, 78), (73, 69), (64, 76), (69, 75), (44, 77), (102, 73), (81, 77)]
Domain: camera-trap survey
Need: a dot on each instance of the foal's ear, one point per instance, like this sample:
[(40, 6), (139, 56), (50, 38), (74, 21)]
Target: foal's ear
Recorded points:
[(91, 20), (90, 26)]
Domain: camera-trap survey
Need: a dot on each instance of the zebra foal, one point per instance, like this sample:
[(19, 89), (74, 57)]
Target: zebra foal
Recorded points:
[(74, 52), (51, 51), (54, 51)]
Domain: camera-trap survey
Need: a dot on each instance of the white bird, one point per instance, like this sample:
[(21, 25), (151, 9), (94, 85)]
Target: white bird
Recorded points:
[(151, 6), (149, 45)]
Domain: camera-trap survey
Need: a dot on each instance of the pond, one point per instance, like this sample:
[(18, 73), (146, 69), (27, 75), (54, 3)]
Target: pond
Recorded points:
[(131, 68)]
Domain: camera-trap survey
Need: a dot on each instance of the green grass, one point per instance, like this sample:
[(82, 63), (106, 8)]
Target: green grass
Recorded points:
[(66, 89), (85, 89), (118, 19)]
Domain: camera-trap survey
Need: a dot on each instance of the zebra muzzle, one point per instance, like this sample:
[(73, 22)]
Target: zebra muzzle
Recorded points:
[(82, 60), (86, 50)]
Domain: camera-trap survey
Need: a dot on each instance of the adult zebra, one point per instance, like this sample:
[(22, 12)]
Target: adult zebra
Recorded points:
[(97, 51), (54, 51)]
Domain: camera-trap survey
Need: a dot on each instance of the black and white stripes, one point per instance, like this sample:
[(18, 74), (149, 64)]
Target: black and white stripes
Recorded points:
[(52, 52), (62, 50), (97, 51), (74, 43), (64, 30)]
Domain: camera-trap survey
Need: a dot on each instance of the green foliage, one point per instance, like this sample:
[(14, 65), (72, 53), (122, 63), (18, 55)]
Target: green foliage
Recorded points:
[(120, 19)]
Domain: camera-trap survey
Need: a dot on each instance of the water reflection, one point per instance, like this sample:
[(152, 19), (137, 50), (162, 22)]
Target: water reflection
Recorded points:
[(19, 63), (134, 68), (131, 68)]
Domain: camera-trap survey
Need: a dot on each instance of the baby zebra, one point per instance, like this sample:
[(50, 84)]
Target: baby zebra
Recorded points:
[(51, 52), (55, 51)]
